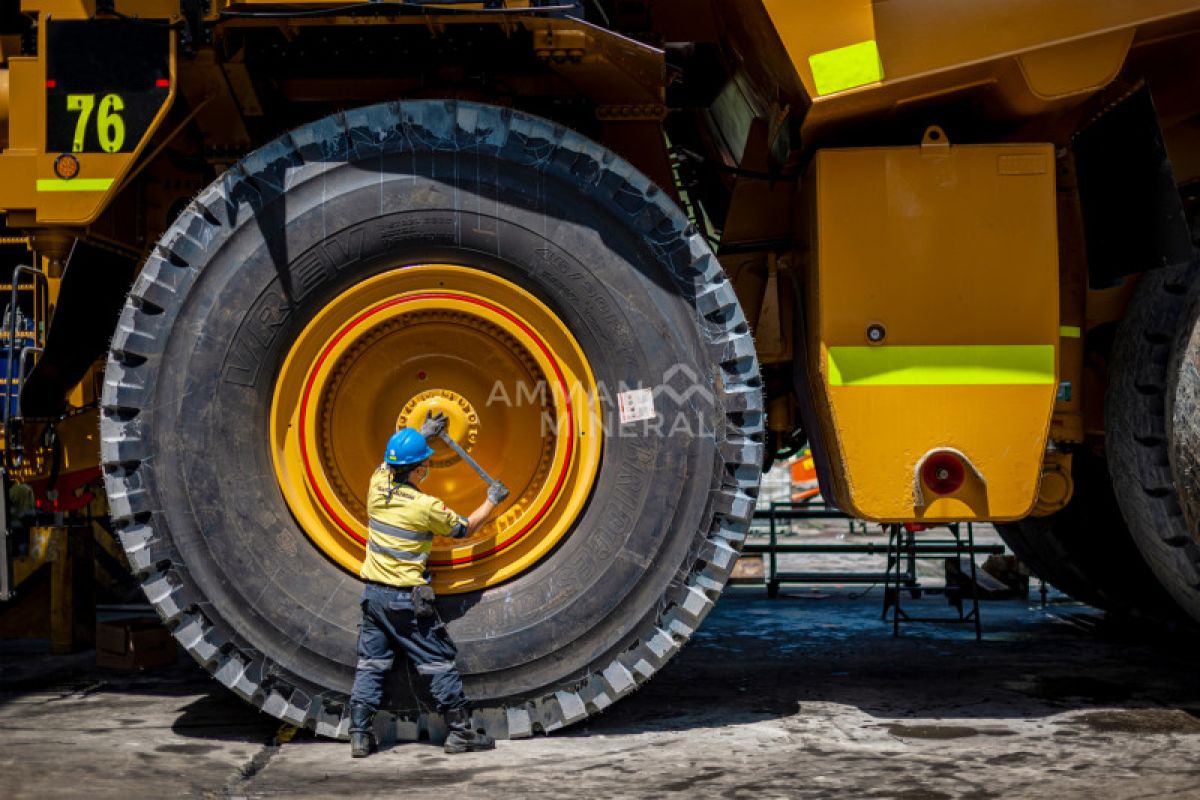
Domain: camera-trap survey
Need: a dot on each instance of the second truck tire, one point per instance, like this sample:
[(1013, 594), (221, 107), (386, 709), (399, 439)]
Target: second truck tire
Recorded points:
[(1087, 552), (1138, 439)]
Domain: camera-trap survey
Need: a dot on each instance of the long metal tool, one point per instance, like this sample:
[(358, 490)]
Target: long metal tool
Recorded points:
[(453, 445)]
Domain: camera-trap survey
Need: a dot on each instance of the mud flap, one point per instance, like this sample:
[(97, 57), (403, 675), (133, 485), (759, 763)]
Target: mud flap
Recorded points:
[(1132, 212)]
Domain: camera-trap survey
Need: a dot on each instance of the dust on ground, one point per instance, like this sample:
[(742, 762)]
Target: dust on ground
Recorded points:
[(808, 695)]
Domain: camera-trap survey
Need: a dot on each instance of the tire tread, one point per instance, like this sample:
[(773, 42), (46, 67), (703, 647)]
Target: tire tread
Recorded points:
[(169, 275)]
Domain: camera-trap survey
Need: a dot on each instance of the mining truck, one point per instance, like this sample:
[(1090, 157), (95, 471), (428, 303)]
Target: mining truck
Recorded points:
[(635, 250)]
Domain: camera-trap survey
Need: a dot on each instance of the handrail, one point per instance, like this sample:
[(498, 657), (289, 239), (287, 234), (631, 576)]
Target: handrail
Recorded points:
[(33, 348), (38, 275)]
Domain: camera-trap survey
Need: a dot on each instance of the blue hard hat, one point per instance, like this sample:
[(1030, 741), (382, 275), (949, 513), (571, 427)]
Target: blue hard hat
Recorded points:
[(407, 446)]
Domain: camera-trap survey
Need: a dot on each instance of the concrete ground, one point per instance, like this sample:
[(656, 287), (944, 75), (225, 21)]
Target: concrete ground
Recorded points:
[(805, 696)]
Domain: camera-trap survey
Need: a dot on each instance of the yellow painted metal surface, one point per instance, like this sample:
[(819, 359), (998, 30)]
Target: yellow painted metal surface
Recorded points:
[(453, 6), (1067, 425), (4, 106), (846, 67), (1028, 55), (518, 390), (45, 545), (1056, 486), (932, 320), (811, 28), (69, 622), (624, 78), (29, 182)]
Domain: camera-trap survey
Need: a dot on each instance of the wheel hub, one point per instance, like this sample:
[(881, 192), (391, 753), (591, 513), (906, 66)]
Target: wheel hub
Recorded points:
[(516, 388), (462, 422)]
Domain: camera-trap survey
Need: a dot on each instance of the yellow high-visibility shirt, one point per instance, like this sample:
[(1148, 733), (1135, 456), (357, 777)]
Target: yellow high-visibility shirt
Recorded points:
[(403, 522)]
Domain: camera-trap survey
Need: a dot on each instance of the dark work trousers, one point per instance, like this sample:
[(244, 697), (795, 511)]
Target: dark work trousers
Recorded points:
[(388, 626)]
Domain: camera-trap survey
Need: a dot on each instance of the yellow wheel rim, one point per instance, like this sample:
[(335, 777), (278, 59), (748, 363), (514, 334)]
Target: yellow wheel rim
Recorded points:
[(515, 384)]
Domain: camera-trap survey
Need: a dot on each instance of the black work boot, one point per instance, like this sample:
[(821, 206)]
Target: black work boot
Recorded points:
[(362, 734), (462, 738)]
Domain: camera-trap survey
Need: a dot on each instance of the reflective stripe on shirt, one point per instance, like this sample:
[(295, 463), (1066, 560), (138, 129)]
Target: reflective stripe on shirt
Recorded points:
[(398, 532), (399, 555), (403, 522)]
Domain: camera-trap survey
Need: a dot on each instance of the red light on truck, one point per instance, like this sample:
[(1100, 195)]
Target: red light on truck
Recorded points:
[(51, 83), (943, 473), (66, 166), (162, 83)]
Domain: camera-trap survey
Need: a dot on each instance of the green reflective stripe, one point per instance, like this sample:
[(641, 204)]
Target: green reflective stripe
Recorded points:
[(942, 365), (846, 67), (76, 185), (1069, 331)]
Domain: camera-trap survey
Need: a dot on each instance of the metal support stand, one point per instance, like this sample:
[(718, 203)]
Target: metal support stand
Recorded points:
[(774, 578), (797, 511), (902, 548)]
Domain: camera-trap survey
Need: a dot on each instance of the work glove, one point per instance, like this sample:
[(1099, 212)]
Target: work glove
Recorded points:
[(497, 492), (434, 424)]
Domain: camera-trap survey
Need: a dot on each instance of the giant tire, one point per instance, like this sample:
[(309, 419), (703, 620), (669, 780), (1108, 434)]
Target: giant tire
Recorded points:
[(1138, 440), (187, 466), (1086, 550)]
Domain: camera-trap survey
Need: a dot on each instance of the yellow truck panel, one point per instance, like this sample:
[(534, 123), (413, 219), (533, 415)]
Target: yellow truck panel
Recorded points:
[(1028, 56), (102, 130), (934, 287)]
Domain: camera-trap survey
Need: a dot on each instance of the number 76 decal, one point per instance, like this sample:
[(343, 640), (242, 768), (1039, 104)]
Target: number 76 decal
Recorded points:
[(110, 128)]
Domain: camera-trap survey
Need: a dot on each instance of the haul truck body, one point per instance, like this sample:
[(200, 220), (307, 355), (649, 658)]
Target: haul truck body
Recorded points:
[(635, 251)]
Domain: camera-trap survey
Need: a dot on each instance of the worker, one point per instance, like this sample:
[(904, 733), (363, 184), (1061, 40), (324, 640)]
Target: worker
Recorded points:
[(397, 600)]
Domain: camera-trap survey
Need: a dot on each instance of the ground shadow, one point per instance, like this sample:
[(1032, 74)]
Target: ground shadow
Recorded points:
[(756, 658)]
